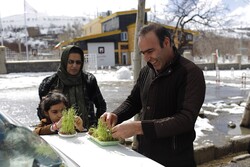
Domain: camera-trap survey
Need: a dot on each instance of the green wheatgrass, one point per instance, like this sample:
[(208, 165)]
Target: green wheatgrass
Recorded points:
[(102, 133), (68, 126)]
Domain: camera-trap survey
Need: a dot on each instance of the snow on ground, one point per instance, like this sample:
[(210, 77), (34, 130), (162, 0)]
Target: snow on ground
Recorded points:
[(24, 80), (230, 75)]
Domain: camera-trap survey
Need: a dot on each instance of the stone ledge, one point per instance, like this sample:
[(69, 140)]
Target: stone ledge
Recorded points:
[(210, 152)]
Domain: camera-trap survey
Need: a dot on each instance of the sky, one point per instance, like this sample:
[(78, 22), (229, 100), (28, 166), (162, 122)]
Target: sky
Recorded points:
[(234, 4), (72, 7), (87, 7)]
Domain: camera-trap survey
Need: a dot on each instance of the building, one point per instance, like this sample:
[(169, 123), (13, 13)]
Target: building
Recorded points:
[(111, 38)]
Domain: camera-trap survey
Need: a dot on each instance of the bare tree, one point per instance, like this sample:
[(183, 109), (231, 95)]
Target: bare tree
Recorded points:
[(245, 122), (208, 41), (190, 13), (140, 19)]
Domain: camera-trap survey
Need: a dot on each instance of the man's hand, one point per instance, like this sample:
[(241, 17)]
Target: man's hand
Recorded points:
[(110, 119), (127, 129)]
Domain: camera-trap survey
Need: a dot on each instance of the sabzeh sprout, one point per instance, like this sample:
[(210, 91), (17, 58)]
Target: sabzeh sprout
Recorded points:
[(102, 132), (68, 126)]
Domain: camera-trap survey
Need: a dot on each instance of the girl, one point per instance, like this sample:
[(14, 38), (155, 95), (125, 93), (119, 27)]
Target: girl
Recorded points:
[(52, 105)]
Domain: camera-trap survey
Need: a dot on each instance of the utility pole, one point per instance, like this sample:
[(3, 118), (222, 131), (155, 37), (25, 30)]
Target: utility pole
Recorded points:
[(1, 30), (245, 121), (137, 57), (139, 23)]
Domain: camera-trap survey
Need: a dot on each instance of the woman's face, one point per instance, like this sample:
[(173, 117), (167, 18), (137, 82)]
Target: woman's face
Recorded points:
[(74, 63), (55, 112)]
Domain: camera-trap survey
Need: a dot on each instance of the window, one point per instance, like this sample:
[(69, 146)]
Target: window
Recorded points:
[(124, 36), (111, 25), (189, 37)]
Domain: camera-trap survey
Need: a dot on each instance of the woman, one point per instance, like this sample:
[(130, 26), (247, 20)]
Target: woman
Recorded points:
[(80, 88)]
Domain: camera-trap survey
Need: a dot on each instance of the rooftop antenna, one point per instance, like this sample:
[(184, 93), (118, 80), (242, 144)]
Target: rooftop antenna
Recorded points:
[(27, 9), (26, 32)]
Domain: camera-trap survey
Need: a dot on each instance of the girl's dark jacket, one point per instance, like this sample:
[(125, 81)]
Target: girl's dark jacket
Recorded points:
[(168, 105), (92, 94)]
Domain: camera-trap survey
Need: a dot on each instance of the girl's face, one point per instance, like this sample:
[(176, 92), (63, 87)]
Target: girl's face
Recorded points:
[(55, 112)]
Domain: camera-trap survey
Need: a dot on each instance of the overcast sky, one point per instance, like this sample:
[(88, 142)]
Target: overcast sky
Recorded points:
[(86, 7), (72, 7)]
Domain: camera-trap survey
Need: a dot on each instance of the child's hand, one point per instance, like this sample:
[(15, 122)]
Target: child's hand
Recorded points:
[(59, 124), (79, 123)]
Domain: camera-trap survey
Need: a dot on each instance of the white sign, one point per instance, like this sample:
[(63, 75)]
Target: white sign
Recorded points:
[(105, 52)]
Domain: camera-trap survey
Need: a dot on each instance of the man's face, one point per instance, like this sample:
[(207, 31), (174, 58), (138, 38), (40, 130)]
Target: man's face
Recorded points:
[(74, 63), (151, 50)]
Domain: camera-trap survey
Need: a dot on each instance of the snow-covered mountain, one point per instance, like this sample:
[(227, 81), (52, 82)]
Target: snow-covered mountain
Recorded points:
[(41, 20), (13, 28), (237, 24)]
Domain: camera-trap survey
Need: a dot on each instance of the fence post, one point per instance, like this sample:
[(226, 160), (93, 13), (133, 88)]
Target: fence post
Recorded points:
[(3, 69), (217, 76), (243, 80), (238, 56), (214, 60)]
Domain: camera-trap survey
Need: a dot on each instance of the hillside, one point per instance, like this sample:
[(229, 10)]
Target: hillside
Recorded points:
[(43, 31)]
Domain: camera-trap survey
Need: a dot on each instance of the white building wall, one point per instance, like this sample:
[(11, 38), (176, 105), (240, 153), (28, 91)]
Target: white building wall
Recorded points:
[(105, 52)]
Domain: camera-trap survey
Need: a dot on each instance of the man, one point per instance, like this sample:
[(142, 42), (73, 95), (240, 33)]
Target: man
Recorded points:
[(79, 87), (168, 96)]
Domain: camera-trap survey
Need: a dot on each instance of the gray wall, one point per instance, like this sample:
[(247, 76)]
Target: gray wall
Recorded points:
[(52, 65), (3, 69), (32, 66), (226, 66)]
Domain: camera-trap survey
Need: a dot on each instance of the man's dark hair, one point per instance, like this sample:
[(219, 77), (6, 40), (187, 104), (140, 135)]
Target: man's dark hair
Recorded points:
[(160, 31)]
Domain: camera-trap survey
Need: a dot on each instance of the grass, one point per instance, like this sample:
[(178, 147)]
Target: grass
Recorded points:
[(102, 133), (68, 126)]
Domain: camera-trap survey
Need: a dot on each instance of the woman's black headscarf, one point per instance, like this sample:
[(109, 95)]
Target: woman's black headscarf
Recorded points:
[(67, 78), (72, 85)]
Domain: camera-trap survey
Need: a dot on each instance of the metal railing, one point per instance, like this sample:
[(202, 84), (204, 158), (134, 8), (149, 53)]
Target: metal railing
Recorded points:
[(44, 55)]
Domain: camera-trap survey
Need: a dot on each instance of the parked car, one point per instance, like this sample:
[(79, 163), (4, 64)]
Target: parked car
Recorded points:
[(19, 146)]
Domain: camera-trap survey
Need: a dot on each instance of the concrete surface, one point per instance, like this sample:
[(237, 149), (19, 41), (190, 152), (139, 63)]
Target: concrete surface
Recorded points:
[(209, 152)]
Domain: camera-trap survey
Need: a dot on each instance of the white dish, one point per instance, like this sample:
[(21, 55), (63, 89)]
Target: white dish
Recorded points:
[(67, 136)]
